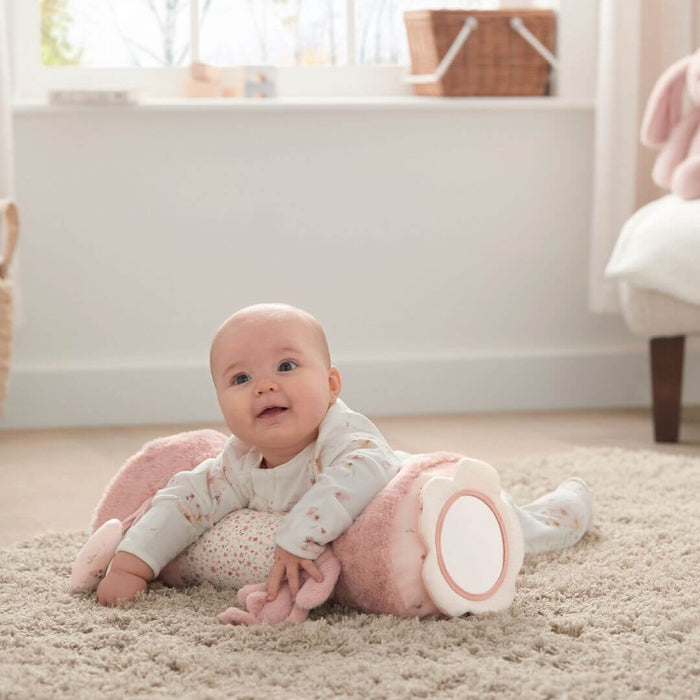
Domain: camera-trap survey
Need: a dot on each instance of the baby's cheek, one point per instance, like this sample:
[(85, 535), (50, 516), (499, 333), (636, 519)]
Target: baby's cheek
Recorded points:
[(232, 410), (317, 406)]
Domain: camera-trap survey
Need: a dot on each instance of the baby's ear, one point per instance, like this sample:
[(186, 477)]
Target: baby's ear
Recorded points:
[(334, 383)]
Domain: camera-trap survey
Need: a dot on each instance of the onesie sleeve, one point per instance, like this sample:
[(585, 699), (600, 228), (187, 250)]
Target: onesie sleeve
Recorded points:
[(353, 463), (189, 505)]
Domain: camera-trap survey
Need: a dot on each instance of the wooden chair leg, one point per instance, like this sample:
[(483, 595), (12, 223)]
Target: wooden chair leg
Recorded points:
[(667, 379)]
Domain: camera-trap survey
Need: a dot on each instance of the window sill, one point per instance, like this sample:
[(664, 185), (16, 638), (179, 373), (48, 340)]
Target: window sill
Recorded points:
[(300, 104)]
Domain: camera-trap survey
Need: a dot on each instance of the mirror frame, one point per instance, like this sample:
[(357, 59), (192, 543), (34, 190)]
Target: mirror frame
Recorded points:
[(438, 545)]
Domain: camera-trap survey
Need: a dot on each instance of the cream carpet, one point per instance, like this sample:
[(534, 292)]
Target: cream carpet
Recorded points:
[(615, 617)]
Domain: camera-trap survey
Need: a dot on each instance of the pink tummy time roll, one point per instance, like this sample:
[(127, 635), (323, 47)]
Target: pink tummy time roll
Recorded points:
[(381, 554)]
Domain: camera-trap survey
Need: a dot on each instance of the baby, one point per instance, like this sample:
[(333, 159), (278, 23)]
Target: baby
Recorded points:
[(295, 448)]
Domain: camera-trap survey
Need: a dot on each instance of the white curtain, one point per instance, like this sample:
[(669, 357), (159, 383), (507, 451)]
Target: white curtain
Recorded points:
[(638, 40), (7, 156), (7, 184)]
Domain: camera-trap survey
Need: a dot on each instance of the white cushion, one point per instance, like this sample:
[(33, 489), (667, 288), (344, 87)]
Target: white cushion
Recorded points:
[(650, 314), (659, 249)]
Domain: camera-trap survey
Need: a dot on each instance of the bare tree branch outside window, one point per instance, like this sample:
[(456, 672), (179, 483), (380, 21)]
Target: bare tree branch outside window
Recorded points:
[(156, 33)]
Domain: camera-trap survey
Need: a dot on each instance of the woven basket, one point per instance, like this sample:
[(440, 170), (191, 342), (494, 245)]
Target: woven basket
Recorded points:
[(8, 221), (495, 60)]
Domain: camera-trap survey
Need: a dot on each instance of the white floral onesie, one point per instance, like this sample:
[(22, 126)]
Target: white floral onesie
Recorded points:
[(323, 490)]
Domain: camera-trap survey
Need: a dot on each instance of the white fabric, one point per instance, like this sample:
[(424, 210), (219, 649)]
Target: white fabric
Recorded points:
[(558, 519), (659, 249), (651, 314), (322, 490), (638, 40)]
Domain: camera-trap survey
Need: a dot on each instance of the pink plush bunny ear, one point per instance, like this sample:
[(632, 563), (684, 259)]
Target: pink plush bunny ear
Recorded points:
[(664, 106)]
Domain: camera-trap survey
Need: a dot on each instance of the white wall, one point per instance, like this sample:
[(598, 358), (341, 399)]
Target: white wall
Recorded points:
[(444, 250)]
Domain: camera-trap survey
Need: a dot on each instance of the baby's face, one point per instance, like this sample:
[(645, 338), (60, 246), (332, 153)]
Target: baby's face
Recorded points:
[(273, 382)]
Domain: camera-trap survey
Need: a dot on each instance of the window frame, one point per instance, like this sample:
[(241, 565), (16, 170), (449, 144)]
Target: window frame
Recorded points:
[(32, 81)]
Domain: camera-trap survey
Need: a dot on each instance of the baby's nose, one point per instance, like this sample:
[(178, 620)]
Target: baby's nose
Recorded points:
[(265, 385)]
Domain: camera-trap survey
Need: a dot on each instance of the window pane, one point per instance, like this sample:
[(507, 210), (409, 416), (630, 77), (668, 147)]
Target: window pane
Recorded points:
[(273, 32), (115, 33), (380, 30)]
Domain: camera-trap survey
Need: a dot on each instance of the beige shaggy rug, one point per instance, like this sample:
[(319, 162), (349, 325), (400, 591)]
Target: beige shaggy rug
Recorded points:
[(615, 617)]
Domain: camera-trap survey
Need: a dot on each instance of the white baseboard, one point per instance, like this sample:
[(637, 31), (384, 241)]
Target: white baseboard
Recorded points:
[(130, 395)]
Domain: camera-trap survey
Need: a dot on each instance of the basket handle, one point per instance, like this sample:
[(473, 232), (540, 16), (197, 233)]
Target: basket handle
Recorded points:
[(8, 209), (519, 26), (470, 24)]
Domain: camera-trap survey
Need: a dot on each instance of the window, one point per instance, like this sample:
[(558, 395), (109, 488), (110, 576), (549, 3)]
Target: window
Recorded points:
[(321, 47), (158, 33)]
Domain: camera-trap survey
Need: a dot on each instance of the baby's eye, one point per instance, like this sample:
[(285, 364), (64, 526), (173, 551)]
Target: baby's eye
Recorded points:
[(287, 366), (241, 378)]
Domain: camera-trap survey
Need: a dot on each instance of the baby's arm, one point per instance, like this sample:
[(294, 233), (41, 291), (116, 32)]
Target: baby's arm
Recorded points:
[(180, 513), (356, 463)]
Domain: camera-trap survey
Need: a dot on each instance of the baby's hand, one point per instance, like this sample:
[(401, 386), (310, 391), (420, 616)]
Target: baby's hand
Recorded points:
[(127, 577), (119, 585), (287, 566)]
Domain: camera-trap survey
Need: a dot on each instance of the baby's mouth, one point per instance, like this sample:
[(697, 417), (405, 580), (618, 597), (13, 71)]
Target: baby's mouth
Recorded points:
[(271, 411)]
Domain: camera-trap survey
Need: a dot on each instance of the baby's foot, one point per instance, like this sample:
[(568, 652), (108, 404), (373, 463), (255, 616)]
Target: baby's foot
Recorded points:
[(578, 486)]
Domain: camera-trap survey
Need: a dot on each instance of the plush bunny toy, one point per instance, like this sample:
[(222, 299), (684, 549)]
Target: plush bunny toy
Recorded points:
[(284, 608), (677, 167)]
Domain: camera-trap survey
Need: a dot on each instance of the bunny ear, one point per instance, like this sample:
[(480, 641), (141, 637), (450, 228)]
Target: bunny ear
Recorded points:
[(664, 106)]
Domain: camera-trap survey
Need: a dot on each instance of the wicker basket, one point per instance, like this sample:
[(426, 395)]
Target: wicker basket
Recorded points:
[(495, 60), (8, 222)]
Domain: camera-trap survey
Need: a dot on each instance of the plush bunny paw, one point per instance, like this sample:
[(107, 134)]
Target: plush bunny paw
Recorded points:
[(256, 601), (249, 590), (236, 616), (685, 181)]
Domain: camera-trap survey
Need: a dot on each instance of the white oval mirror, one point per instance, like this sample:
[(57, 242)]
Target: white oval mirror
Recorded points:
[(470, 546)]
